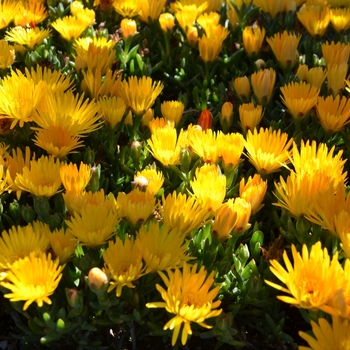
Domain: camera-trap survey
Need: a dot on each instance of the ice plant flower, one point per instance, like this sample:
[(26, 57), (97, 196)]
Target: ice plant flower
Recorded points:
[(123, 264), (162, 248), (336, 76), (139, 94), (299, 98), (333, 113), (335, 53), (166, 21), (270, 6), (315, 19), (28, 37), (340, 19), (225, 218), (316, 76), (33, 279), (187, 16), (332, 336), (8, 10), (70, 27), (311, 280), (182, 213), (189, 298), (209, 186), (7, 54), (205, 119), (226, 116), (253, 191), (210, 45), (41, 178), (63, 245), (112, 110), (263, 83), (74, 180), (151, 10), (242, 88), (94, 225), (268, 149), (172, 110), (250, 116), (151, 178), (243, 210), (205, 145), (128, 27), (136, 206), (284, 46), (253, 37), (127, 8), (30, 12), (230, 147), (208, 20)]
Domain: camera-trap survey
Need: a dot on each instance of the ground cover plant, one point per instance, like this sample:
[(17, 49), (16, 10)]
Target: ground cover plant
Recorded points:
[(174, 175)]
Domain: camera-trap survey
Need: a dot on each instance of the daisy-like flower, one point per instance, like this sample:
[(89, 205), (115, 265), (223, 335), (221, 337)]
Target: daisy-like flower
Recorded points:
[(123, 264), (136, 206), (127, 8), (253, 191), (268, 149), (299, 98), (253, 37), (139, 94), (208, 19), (328, 336), (210, 44), (209, 186), (189, 297), (63, 245), (162, 248), (70, 27), (263, 83), (284, 46), (314, 18), (340, 19), (128, 27), (311, 280), (159, 123), (29, 13), (151, 10), (183, 213), (316, 76), (172, 110), (166, 21), (151, 179), (7, 54), (19, 242), (250, 116), (78, 10), (74, 180), (270, 6), (28, 37), (8, 9), (41, 178), (230, 148), (94, 225), (242, 88), (336, 76), (187, 16), (205, 145), (33, 279), (225, 218), (335, 53), (333, 113), (243, 210), (112, 110)]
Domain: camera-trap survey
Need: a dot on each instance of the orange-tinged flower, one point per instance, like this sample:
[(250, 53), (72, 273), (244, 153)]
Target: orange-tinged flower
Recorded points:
[(210, 45), (128, 27), (268, 149), (242, 88), (311, 280), (284, 46), (250, 116), (127, 8), (253, 37), (340, 19), (335, 53), (314, 18), (263, 83), (225, 218), (189, 298), (160, 123), (166, 21), (270, 6), (151, 10), (299, 98), (336, 76), (29, 13), (74, 180), (8, 9), (172, 110), (333, 113), (205, 119), (97, 279), (253, 191)]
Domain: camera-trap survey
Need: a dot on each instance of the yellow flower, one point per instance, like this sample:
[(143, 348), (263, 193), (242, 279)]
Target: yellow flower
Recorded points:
[(162, 247), (225, 218), (123, 264), (253, 37), (208, 20), (183, 213), (172, 110), (160, 123), (299, 98), (232, 15), (316, 77), (152, 178), (63, 245), (205, 144), (263, 83), (19, 96), (70, 27), (187, 16), (147, 117), (19, 242), (315, 19), (7, 54), (94, 225), (243, 211), (151, 10), (189, 298), (226, 116), (250, 116), (333, 113), (192, 35), (210, 45), (198, 5), (29, 12), (33, 278), (253, 191), (136, 206), (270, 6), (302, 71), (209, 186), (335, 53), (112, 110), (75, 180), (41, 178), (139, 94), (336, 76), (242, 87), (165, 146), (284, 46), (333, 336), (128, 27), (311, 281), (166, 21), (86, 15), (127, 8), (8, 9), (230, 148), (340, 19), (268, 149)]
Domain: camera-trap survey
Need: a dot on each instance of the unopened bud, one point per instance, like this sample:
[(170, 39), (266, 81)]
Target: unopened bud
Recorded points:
[(128, 27), (226, 116), (205, 119)]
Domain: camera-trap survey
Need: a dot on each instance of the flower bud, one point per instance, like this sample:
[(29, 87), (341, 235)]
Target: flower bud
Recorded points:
[(128, 27), (140, 182), (74, 298), (94, 183), (97, 279), (192, 35), (185, 159), (242, 88), (15, 210), (89, 156), (226, 116), (42, 207), (166, 21), (225, 219), (253, 191), (243, 210), (28, 213), (205, 119)]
